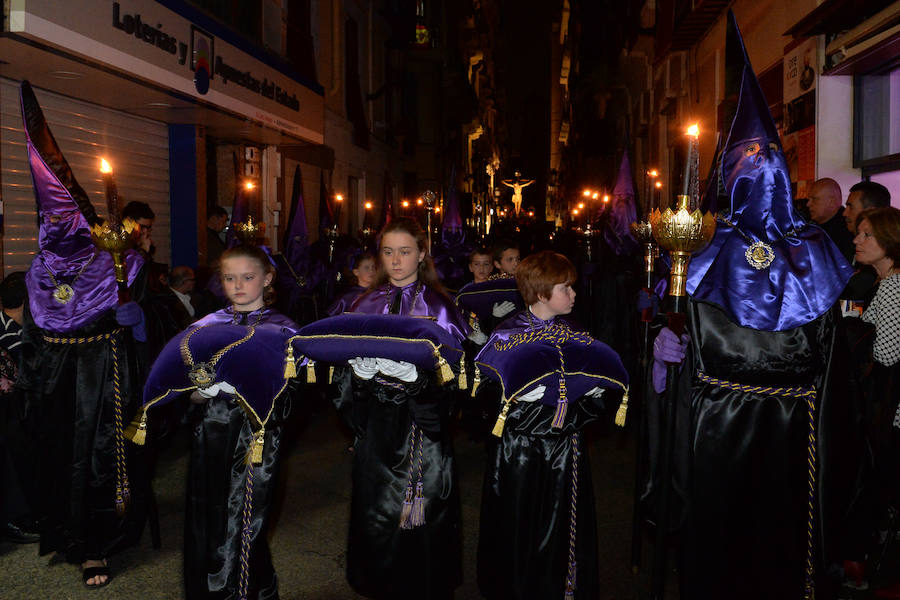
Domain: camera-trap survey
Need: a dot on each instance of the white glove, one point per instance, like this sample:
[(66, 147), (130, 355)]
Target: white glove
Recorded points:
[(594, 392), (532, 396), (501, 309), (213, 390), (478, 337), (401, 370), (364, 368)]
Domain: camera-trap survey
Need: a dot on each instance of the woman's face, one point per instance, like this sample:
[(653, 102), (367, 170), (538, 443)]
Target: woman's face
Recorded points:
[(868, 252), (244, 280), (365, 272), (400, 257)]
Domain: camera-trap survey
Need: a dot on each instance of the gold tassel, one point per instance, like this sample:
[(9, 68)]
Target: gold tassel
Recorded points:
[(310, 372), (463, 381), (477, 380), (501, 419), (330, 374), (623, 410), (137, 430), (256, 446), (290, 368), (445, 370)]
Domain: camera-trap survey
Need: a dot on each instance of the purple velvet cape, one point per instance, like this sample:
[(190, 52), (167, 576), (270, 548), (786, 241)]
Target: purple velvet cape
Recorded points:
[(255, 368), (520, 364), (428, 303)]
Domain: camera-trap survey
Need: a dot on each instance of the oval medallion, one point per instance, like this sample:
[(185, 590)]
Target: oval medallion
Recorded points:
[(63, 293), (760, 255)]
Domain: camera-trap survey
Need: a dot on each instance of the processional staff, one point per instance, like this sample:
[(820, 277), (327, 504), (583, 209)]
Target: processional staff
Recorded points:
[(682, 232)]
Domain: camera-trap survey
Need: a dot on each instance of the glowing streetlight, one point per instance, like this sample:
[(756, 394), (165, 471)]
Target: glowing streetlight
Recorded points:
[(248, 185), (586, 193), (368, 205), (338, 198), (658, 185), (595, 195), (581, 205), (574, 212), (653, 173), (606, 197), (419, 201)]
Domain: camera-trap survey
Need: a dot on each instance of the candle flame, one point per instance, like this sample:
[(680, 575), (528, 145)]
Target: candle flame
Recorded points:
[(437, 209), (339, 198), (606, 197), (405, 204), (248, 185), (368, 206), (575, 212), (581, 205), (658, 184), (586, 193), (419, 201), (104, 166), (595, 195), (694, 130), (653, 173)]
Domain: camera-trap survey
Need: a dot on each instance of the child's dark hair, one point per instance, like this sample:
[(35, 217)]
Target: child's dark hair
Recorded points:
[(427, 273), (538, 273), (12, 290), (253, 252), (501, 246), (480, 251)]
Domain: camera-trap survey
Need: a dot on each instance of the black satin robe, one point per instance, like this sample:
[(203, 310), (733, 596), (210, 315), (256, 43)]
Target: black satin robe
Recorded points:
[(70, 408), (217, 482), (523, 543), (740, 465), (384, 561)]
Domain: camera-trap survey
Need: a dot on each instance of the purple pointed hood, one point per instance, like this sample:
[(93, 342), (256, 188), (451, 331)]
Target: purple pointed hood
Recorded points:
[(766, 267), (296, 237), (622, 212)]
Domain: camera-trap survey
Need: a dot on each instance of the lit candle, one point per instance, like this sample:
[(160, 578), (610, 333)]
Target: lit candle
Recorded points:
[(692, 163), (112, 193)]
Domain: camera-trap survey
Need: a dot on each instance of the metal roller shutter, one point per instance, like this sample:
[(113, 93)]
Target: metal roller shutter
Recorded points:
[(137, 148)]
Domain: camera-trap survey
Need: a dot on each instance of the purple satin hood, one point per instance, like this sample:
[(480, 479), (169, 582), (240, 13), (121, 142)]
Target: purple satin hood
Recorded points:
[(428, 303)]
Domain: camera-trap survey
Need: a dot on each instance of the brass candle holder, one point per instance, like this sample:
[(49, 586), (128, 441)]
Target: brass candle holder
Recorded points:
[(682, 232), (249, 231)]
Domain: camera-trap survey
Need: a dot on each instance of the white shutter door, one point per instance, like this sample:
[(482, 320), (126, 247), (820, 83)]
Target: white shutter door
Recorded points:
[(137, 148)]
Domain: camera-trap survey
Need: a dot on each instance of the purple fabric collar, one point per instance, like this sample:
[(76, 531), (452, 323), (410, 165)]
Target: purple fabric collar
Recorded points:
[(417, 301)]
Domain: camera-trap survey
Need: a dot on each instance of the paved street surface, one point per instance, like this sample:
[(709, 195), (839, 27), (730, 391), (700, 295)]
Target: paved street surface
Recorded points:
[(309, 531)]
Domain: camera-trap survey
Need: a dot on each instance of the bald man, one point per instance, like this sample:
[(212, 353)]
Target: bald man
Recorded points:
[(826, 209)]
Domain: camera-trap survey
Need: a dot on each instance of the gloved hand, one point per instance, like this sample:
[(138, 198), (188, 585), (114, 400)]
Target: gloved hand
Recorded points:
[(364, 368), (478, 337), (595, 392), (213, 390), (501, 309), (532, 396), (667, 348), (131, 315), (401, 370)]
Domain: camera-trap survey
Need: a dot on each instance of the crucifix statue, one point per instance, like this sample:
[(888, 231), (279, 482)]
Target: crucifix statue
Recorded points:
[(517, 184)]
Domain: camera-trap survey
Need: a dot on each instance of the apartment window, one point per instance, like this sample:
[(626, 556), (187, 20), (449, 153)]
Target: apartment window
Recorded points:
[(876, 121)]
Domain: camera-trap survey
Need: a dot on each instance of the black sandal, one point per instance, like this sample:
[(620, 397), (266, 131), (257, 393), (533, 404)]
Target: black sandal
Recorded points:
[(91, 572)]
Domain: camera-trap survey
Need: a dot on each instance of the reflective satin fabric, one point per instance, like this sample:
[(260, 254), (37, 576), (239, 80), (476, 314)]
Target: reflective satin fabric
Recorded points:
[(71, 407), (96, 290), (384, 561), (217, 481), (808, 271), (215, 500), (345, 301), (427, 303), (523, 542), (740, 463)]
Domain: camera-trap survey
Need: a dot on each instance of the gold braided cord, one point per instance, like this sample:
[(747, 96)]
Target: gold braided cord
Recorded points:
[(785, 392), (186, 351), (123, 489), (556, 334), (83, 340), (811, 458)]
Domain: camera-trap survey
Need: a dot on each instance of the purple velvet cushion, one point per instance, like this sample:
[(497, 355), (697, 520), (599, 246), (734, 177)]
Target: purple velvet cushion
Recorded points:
[(417, 340), (532, 358), (480, 298), (254, 367)]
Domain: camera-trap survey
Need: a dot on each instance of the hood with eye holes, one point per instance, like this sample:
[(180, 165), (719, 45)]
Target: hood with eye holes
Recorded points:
[(766, 267)]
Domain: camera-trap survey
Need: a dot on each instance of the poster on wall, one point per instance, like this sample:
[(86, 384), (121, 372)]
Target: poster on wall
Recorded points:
[(800, 78)]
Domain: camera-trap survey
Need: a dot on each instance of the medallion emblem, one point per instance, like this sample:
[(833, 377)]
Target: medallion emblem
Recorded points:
[(759, 255), (63, 293), (202, 375)]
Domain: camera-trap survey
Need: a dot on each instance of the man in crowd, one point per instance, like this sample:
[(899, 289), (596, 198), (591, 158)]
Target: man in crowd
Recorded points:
[(863, 195), (826, 209)]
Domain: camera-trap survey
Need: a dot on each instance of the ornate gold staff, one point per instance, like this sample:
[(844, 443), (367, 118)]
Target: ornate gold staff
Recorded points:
[(682, 232), (115, 235)]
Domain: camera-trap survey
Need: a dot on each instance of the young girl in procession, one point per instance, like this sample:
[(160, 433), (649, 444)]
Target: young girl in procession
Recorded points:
[(391, 406), (219, 454), (528, 545), (364, 269)]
